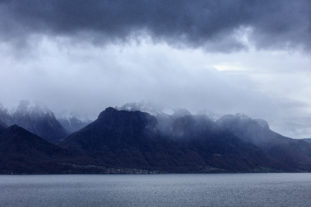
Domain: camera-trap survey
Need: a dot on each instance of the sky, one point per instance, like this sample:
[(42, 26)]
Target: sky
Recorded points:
[(207, 56)]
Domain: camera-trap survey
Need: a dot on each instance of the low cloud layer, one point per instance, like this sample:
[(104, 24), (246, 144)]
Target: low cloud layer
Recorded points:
[(212, 24), (84, 79), (219, 56)]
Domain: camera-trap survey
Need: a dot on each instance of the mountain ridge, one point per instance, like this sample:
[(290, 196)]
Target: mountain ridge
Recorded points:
[(123, 141), (35, 119), (206, 146)]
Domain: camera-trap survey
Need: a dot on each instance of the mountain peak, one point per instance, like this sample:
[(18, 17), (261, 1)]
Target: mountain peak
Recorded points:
[(108, 110), (111, 114), (17, 130)]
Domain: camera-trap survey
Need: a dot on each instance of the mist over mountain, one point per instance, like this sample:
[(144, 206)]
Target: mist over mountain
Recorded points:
[(36, 119), (256, 131), (132, 139), (129, 140), (188, 142), (286, 151), (5, 116), (73, 124)]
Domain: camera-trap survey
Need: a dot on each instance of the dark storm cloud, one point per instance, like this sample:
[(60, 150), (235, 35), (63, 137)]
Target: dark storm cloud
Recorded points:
[(277, 23)]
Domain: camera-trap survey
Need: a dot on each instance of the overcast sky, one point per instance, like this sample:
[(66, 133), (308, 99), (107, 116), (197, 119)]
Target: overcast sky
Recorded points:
[(211, 56)]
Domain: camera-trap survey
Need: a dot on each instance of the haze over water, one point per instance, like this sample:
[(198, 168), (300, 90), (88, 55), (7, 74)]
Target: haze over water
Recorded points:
[(215, 190)]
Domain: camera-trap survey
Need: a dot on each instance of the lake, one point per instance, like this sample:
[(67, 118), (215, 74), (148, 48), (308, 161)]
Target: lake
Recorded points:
[(215, 190)]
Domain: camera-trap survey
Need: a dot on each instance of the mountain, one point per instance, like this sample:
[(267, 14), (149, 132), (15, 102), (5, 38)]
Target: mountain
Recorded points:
[(5, 117), (284, 152), (42, 124), (122, 141), (132, 139), (37, 120), (2, 127), (23, 152), (256, 131)]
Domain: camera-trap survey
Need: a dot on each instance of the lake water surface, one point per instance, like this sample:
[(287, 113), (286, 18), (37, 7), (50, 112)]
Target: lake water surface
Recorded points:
[(214, 190)]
